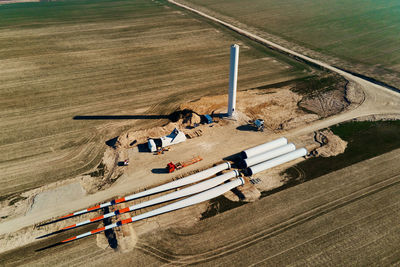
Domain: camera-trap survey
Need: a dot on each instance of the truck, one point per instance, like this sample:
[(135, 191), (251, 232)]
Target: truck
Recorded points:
[(171, 167)]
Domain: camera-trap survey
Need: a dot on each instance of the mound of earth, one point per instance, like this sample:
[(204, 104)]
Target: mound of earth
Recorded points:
[(325, 104), (277, 107), (331, 144)]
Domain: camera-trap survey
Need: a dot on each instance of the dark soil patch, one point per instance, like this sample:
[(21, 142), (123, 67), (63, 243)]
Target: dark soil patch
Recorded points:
[(315, 85), (219, 205), (365, 140), (16, 199), (99, 172)]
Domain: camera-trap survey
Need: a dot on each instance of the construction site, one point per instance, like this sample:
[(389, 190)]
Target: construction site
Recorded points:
[(184, 145), (217, 165)]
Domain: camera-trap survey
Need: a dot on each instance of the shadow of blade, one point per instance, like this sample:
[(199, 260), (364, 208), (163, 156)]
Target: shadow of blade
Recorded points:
[(65, 218), (54, 233), (159, 170), (122, 117), (51, 246)]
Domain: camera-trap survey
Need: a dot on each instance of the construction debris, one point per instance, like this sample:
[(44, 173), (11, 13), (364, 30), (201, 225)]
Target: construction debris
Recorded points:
[(193, 134)]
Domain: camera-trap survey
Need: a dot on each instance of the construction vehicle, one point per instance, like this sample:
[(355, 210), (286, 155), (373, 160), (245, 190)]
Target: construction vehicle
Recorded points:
[(123, 163), (171, 167), (259, 124)]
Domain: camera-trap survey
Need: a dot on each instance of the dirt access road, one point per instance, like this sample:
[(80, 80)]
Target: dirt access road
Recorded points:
[(378, 100)]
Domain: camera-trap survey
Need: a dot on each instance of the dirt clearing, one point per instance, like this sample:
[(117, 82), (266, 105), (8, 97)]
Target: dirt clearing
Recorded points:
[(273, 105), (62, 60), (57, 196)]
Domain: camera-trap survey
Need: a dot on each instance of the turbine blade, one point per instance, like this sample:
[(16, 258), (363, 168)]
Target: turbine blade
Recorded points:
[(155, 190)]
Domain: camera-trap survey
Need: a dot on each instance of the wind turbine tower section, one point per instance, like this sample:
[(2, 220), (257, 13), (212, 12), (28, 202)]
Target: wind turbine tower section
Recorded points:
[(233, 73)]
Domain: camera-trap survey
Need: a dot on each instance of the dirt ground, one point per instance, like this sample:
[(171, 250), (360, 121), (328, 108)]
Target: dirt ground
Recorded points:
[(353, 211), (215, 145), (213, 139), (272, 105), (277, 107), (72, 78), (209, 142), (221, 144)]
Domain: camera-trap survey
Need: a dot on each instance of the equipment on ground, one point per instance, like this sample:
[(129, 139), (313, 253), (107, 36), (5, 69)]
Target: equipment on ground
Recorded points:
[(161, 150), (251, 152), (171, 167), (259, 124), (301, 152), (126, 162), (208, 119), (186, 202), (173, 138), (187, 191), (196, 177)]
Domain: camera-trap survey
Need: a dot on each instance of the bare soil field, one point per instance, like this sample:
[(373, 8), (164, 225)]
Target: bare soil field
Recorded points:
[(355, 35), (99, 59), (348, 217), (277, 106)]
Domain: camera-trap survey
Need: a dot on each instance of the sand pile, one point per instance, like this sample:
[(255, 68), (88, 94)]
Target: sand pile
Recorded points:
[(106, 174), (248, 190), (279, 108), (331, 144), (207, 104), (124, 238), (354, 94), (184, 120), (191, 120), (133, 138)]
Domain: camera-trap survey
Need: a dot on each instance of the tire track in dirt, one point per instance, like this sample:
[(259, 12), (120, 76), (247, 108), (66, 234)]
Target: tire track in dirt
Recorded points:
[(289, 225), (276, 230), (345, 184), (154, 252), (345, 243)]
